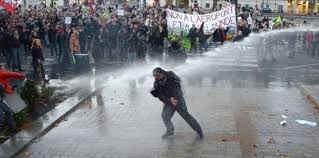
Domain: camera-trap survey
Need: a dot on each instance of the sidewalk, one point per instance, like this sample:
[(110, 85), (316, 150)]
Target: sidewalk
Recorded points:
[(42, 125)]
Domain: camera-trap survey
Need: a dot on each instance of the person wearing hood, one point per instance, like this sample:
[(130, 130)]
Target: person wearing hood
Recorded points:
[(167, 88)]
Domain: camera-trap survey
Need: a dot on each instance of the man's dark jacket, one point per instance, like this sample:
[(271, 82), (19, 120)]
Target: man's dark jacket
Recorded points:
[(171, 88)]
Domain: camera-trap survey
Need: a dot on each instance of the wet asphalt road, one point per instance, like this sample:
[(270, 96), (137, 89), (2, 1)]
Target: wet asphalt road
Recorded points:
[(239, 114), (238, 103)]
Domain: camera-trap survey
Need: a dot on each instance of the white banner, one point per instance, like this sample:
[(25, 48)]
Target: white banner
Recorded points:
[(178, 22), (120, 12), (32, 2)]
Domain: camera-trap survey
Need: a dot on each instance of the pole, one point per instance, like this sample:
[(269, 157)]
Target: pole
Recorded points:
[(276, 6)]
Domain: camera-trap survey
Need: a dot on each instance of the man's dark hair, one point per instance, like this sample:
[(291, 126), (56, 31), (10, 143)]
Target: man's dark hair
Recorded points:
[(158, 70)]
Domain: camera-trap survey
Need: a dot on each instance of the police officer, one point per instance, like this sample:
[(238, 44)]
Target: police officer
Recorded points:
[(167, 88)]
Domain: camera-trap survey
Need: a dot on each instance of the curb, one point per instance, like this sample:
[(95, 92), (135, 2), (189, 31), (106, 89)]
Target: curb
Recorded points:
[(44, 124), (305, 92)]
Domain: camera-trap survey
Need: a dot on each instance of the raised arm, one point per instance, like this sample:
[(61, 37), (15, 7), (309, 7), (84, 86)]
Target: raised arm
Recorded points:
[(9, 74)]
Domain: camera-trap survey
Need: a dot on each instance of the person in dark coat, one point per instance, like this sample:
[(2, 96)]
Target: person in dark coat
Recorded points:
[(52, 35), (133, 46), (239, 36), (113, 31), (98, 49), (61, 42), (156, 39), (176, 52), (244, 29), (219, 35), (37, 58), (167, 88), (192, 35), (83, 39), (3, 43), (202, 39), (142, 46), (25, 39), (123, 46), (8, 51), (14, 41)]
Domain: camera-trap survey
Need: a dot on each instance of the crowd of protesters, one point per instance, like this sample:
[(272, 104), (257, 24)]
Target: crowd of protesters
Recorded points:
[(127, 37), (114, 37)]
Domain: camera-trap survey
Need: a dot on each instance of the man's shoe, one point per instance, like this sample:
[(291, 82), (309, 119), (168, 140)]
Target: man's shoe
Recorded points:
[(167, 134), (201, 135)]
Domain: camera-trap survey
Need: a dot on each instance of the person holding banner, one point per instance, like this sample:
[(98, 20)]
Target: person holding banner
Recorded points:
[(202, 39)]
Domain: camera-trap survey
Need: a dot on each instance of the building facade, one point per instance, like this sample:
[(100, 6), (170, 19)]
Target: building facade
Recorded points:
[(303, 7), (286, 6)]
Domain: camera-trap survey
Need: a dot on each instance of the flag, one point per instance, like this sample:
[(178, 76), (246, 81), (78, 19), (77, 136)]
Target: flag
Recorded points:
[(278, 21), (9, 5)]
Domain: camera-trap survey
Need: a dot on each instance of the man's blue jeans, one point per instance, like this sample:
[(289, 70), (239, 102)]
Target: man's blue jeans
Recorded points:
[(5, 111)]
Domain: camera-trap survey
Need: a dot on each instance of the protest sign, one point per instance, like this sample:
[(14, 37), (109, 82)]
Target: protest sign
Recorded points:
[(120, 12), (68, 20), (178, 22)]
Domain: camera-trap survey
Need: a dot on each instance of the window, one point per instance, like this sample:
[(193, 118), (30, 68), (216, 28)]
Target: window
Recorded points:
[(207, 5), (280, 8)]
